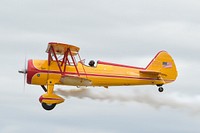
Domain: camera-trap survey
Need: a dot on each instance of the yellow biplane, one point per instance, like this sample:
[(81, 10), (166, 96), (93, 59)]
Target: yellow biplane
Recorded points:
[(65, 67)]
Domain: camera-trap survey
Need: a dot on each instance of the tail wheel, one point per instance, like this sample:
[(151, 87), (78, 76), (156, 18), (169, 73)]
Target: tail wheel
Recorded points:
[(160, 89), (48, 106)]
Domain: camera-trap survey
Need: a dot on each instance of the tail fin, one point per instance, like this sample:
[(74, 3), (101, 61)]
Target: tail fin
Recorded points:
[(164, 63)]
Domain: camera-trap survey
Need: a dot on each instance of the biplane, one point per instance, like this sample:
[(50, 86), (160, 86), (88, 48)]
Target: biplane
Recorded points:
[(65, 67)]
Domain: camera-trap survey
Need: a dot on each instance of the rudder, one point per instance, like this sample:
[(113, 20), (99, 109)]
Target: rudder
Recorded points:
[(165, 64)]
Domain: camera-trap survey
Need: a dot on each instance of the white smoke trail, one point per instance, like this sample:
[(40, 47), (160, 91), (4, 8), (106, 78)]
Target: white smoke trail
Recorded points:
[(156, 100)]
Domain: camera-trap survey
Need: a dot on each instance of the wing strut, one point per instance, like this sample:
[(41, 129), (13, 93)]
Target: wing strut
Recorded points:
[(52, 56), (82, 65)]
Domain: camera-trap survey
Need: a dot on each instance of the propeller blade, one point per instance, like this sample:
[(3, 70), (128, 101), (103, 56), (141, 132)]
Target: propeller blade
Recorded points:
[(24, 71)]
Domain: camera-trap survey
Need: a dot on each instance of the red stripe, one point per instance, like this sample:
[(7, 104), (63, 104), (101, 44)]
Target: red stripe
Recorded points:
[(102, 75), (42, 98), (119, 65)]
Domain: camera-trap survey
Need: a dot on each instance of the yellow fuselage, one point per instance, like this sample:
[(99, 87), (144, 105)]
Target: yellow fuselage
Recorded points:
[(103, 74)]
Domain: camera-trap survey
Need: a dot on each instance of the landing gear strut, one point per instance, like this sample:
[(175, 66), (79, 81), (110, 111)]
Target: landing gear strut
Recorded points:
[(44, 88)]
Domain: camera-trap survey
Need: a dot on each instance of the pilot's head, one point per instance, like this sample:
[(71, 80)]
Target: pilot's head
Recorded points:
[(91, 63)]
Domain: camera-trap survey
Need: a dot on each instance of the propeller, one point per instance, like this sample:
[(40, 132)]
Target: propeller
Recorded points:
[(24, 71)]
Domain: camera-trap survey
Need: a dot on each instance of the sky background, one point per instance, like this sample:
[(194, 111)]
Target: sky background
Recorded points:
[(124, 31)]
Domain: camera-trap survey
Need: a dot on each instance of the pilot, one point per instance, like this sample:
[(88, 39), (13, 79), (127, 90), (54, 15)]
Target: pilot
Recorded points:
[(91, 63)]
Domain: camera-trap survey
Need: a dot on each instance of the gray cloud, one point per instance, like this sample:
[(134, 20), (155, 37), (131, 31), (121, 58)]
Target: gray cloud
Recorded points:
[(133, 26)]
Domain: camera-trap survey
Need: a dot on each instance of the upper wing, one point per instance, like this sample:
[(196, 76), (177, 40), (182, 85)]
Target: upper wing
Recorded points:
[(75, 81), (61, 48)]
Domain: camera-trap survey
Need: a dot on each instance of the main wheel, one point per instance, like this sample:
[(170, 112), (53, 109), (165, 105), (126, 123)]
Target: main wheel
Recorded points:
[(160, 89), (48, 106)]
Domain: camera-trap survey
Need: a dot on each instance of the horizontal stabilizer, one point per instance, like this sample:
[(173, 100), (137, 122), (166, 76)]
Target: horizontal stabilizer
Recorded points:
[(75, 81), (153, 73)]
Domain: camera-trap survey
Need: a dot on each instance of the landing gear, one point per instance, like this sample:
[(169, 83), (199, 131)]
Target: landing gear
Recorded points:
[(49, 100), (160, 89), (48, 106)]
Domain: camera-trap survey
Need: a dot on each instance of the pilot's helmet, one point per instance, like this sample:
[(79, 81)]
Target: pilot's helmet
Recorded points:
[(91, 63)]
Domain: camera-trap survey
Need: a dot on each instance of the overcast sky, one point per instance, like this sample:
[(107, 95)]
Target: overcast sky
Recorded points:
[(122, 31)]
